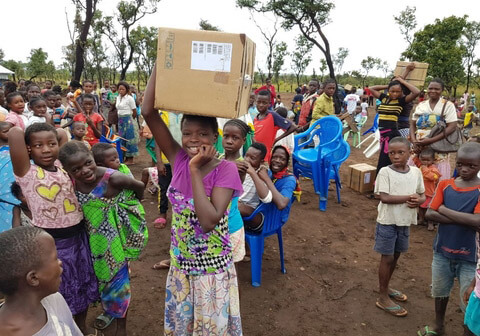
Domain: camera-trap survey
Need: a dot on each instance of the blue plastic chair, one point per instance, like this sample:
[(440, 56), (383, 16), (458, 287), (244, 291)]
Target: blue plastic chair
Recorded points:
[(308, 162), (117, 143), (374, 126), (274, 220), (332, 163)]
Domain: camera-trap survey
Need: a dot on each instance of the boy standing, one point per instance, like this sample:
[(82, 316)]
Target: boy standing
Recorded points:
[(401, 191), (456, 206)]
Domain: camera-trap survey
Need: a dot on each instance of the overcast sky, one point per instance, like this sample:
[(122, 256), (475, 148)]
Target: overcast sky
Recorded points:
[(367, 30)]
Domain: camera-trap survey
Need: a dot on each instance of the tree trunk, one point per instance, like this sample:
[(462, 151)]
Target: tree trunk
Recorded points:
[(80, 43)]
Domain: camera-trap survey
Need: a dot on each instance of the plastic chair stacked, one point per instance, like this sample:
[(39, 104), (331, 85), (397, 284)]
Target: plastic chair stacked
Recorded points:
[(310, 162), (274, 219), (355, 135), (374, 146)]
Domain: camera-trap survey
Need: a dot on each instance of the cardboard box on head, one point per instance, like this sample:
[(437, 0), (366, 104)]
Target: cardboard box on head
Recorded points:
[(204, 72), (416, 76)]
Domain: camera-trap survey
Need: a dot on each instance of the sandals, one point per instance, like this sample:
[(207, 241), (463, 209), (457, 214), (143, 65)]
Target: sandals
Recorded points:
[(426, 331), (394, 310), (164, 264), (103, 321), (398, 296), (160, 223)]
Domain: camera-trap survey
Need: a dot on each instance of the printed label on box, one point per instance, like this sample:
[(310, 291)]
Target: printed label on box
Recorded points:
[(169, 51), (211, 56), (366, 178)]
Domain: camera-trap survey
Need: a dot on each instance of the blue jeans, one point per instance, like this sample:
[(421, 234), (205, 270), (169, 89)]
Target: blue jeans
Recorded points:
[(444, 272)]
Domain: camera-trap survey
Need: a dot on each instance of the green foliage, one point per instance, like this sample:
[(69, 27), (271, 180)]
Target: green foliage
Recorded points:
[(407, 22), (301, 56), (339, 58), (144, 41), (2, 56), (472, 37), (370, 63), (440, 45), (279, 60), (38, 66), (205, 25)]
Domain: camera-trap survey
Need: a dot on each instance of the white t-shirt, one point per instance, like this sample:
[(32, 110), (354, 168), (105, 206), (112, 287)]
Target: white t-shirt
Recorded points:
[(351, 100), (364, 106), (424, 108), (395, 183), (125, 105), (3, 111), (59, 318), (34, 119)]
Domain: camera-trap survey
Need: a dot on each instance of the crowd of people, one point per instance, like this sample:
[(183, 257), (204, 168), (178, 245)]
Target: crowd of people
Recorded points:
[(71, 217)]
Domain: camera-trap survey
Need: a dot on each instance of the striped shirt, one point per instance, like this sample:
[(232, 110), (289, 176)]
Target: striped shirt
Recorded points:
[(389, 110)]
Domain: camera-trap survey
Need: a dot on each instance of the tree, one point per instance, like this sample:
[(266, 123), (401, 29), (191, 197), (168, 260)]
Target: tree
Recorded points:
[(2, 56), (205, 25), (407, 22), (129, 13), (472, 36), (368, 64), (269, 36), (384, 67), (95, 55), (37, 64), (323, 68), (144, 40), (339, 58), (278, 61), (440, 45), (301, 56), (17, 67), (89, 7), (308, 15)]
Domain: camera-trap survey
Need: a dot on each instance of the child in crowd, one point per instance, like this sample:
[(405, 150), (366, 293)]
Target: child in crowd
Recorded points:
[(254, 188), (50, 99), (87, 115), (456, 207), (50, 196), (468, 120), (33, 90), (234, 135), (78, 132), (401, 190), (390, 108), (287, 141), (7, 199), (112, 118), (278, 102), (16, 106), (431, 176), (324, 105), (267, 123), (40, 115), (3, 110), (115, 220), (106, 155), (22, 216), (88, 88), (201, 191), (30, 273), (364, 106), (308, 103), (252, 109)]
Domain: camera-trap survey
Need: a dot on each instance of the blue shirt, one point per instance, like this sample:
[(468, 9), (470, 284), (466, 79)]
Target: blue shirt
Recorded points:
[(455, 241), (235, 221), (7, 200), (285, 186)]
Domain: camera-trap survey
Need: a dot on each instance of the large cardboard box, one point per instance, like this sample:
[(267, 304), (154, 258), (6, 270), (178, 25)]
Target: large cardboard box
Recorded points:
[(204, 72), (416, 76), (361, 177)]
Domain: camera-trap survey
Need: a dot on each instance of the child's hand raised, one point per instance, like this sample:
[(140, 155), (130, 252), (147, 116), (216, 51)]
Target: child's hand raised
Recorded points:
[(205, 154)]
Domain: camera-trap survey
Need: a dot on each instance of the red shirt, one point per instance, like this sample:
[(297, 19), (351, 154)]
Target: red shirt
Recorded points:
[(367, 91), (266, 129), (89, 135)]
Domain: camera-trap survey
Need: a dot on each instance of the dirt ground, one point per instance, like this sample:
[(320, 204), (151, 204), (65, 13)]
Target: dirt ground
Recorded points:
[(331, 282)]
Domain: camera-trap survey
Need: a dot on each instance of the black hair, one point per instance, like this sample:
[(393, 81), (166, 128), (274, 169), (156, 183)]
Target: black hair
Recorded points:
[(10, 87), (49, 93), (28, 82), (211, 122), (364, 100), (71, 148), (240, 124), (35, 100), (39, 127), (393, 83), (124, 84), (400, 139), (88, 96), (282, 111), (261, 147), (49, 80), (284, 149), (30, 86), (98, 151), (329, 81), (12, 95), (439, 81), (57, 89), (469, 148), (298, 90), (315, 80), (427, 152), (75, 84), (77, 123), (16, 190), (265, 93), (87, 81), (20, 253)]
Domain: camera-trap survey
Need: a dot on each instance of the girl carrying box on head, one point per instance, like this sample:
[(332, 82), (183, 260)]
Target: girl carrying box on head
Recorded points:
[(202, 290)]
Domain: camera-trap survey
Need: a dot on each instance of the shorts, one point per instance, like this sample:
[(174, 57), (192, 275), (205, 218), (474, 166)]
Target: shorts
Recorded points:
[(390, 239), (238, 244), (472, 314), (444, 272)]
